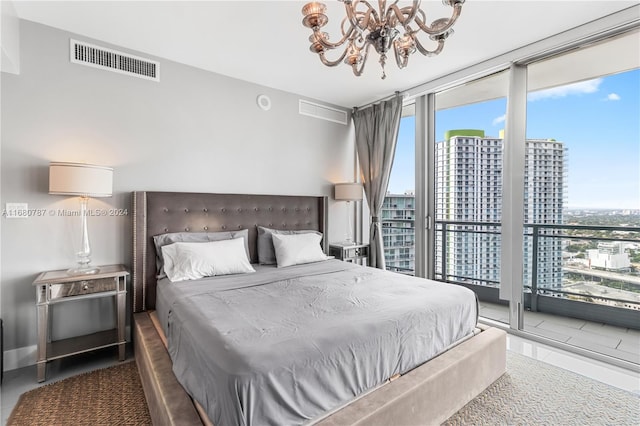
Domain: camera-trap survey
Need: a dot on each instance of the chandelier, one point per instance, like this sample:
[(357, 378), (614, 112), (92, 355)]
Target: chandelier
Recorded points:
[(364, 26)]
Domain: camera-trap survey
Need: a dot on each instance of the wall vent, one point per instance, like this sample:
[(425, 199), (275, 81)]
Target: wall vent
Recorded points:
[(323, 112), (112, 60)]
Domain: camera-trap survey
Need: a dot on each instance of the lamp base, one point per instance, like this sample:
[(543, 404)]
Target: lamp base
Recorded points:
[(85, 270)]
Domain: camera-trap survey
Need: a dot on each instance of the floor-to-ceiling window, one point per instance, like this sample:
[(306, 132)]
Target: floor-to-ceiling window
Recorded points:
[(469, 122), (577, 169), (582, 196), (398, 210)]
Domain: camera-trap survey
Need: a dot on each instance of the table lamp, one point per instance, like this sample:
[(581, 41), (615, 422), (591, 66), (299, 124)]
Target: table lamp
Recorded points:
[(348, 192), (84, 181)]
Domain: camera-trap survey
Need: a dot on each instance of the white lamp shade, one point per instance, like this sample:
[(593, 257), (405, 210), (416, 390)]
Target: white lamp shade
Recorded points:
[(85, 180), (348, 191)]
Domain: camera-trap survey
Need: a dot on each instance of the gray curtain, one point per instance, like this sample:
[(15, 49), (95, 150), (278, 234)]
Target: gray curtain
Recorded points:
[(376, 136)]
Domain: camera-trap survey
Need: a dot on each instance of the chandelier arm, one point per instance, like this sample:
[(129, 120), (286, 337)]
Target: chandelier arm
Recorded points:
[(401, 63), (329, 63), (427, 52), (391, 7), (406, 14), (364, 20), (457, 8), (352, 15), (358, 72), (328, 45), (371, 11)]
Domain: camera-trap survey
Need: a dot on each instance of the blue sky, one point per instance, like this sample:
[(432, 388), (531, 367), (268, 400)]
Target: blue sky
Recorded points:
[(598, 121)]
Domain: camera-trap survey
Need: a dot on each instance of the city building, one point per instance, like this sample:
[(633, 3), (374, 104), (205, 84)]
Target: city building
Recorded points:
[(544, 199), (398, 232), (609, 255), (469, 203), (469, 190)]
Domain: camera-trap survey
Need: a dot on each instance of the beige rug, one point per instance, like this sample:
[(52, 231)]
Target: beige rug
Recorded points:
[(530, 393), (536, 393), (111, 396)]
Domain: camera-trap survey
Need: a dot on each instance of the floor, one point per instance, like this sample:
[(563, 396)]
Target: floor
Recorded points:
[(21, 380), (618, 342), (16, 382)]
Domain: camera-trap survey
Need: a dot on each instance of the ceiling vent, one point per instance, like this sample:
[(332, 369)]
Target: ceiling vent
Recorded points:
[(323, 112), (112, 60)]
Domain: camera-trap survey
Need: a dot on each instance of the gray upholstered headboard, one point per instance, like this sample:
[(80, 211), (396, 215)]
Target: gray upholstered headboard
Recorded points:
[(162, 212)]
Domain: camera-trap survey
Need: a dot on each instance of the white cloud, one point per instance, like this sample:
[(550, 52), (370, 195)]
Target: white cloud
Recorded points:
[(580, 88), (613, 97), (499, 120)]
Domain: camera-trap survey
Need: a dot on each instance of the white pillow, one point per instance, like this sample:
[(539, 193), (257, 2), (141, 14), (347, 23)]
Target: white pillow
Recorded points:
[(191, 261), (295, 249)]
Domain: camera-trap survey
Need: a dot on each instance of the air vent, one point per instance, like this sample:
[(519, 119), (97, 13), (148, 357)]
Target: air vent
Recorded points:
[(323, 112), (112, 60)]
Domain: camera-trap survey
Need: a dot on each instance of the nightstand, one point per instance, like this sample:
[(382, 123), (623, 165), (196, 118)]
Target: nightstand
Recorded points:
[(350, 252), (57, 287)]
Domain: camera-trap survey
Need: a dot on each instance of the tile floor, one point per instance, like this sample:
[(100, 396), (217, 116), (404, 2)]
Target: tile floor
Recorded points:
[(19, 381), (622, 343)]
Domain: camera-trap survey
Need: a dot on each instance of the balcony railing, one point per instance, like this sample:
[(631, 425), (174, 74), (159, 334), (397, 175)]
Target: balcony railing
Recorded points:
[(466, 255)]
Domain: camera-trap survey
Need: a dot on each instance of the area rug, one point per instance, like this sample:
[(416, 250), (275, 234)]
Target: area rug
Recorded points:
[(530, 393), (110, 396), (535, 393)]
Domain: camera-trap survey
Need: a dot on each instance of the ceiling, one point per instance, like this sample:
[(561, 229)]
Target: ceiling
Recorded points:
[(265, 42)]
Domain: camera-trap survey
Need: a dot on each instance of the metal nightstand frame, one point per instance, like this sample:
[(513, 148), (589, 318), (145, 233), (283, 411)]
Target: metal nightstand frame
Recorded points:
[(54, 287)]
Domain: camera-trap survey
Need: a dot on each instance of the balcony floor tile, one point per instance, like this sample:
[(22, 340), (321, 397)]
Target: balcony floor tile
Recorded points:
[(632, 332), (550, 334), (610, 340), (495, 314), (607, 330), (558, 320), (606, 350), (630, 345), (600, 339)]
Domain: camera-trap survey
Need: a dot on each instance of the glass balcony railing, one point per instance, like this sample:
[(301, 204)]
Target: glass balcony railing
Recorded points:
[(588, 272)]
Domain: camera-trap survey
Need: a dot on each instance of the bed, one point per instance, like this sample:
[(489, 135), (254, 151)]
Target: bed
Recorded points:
[(410, 391)]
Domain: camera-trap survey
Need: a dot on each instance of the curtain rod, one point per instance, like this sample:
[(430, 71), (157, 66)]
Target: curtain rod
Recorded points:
[(395, 94)]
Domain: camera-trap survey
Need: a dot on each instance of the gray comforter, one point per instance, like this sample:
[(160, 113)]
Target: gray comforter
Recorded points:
[(284, 346)]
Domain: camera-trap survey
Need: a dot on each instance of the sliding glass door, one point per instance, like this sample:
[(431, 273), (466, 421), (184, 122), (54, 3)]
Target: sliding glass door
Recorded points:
[(399, 208), (469, 124), (582, 198), (542, 220)]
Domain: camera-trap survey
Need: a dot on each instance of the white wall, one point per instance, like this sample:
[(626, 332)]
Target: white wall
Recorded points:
[(194, 131), (9, 38)]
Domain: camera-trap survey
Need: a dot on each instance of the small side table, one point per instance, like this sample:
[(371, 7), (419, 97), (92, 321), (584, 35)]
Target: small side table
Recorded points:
[(54, 287), (350, 252)]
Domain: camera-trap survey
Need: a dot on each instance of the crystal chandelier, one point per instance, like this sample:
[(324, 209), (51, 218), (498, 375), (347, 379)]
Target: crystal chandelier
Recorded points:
[(364, 26)]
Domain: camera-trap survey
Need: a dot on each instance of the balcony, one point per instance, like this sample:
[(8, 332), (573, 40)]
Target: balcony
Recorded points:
[(566, 295), (619, 342)]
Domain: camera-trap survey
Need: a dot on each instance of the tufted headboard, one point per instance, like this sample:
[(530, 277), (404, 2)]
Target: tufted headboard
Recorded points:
[(162, 212)]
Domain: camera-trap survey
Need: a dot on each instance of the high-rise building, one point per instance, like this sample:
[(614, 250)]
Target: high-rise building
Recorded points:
[(544, 195), (398, 232), (469, 191)]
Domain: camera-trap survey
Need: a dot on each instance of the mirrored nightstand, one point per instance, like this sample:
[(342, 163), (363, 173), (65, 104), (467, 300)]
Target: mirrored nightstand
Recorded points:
[(350, 252), (56, 287)]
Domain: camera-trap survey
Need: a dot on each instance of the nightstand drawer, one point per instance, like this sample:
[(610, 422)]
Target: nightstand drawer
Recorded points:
[(350, 252), (356, 252), (79, 288)]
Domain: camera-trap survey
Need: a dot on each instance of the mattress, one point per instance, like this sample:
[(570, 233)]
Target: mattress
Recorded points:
[(287, 345)]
